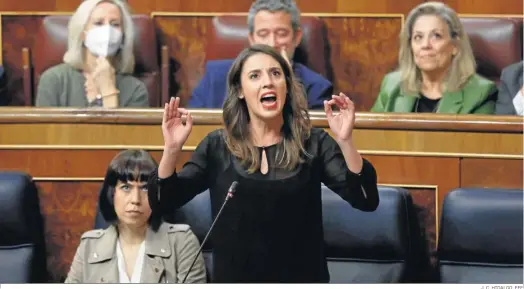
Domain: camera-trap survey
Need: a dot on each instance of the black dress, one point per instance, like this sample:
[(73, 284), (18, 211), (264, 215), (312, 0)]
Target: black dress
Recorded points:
[(271, 230)]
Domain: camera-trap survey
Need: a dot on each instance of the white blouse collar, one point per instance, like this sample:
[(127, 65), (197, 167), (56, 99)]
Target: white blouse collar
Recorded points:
[(139, 264)]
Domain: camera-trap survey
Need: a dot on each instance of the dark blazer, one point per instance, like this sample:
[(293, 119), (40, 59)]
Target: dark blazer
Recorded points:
[(212, 89), (476, 97), (510, 84)]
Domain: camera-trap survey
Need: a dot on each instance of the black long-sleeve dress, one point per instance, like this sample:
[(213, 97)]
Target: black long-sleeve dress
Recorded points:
[(271, 230)]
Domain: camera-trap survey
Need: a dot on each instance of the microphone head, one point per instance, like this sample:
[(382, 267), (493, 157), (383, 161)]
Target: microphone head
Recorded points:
[(233, 187)]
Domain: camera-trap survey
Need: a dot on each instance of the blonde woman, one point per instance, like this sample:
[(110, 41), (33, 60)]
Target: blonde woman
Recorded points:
[(436, 68), (98, 63)]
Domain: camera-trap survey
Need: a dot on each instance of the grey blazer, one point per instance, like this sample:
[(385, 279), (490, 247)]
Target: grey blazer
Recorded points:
[(169, 254), (510, 84)]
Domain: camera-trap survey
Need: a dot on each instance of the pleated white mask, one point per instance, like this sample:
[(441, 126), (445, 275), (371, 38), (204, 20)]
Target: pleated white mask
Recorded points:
[(103, 40)]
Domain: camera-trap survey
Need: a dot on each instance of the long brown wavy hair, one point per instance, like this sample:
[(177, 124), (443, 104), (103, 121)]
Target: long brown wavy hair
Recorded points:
[(297, 125)]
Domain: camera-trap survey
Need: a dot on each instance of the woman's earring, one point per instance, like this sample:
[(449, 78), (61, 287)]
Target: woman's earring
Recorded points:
[(241, 96)]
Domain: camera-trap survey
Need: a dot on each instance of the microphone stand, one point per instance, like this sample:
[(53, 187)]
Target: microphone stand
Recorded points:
[(229, 195)]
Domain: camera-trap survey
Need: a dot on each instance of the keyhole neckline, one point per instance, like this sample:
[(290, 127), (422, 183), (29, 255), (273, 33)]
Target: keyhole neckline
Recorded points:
[(264, 162)]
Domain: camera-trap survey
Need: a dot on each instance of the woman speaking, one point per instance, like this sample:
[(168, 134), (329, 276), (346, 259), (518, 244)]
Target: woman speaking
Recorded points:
[(271, 230)]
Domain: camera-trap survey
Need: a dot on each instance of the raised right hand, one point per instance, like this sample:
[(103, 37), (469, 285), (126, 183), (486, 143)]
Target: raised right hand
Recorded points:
[(173, 128), (104, 77)]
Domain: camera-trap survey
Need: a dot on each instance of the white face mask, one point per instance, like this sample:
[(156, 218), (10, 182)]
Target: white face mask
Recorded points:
[(103, 40)]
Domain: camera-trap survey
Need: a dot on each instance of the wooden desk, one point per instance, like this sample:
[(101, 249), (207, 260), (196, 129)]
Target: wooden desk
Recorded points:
[(67, 152)]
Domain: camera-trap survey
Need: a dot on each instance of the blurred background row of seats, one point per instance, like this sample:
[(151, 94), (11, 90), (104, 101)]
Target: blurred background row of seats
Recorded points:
[(480, 236), (497, 43)]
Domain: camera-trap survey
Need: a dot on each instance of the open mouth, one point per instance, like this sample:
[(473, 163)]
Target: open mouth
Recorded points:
[(269, 100)]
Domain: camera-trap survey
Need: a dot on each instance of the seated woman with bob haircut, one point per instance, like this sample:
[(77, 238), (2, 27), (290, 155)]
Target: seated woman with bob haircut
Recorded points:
[(436, 68), (138, 247), (98, 62)]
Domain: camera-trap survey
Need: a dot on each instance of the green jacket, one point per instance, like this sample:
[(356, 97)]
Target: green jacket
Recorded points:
[(477, 97)]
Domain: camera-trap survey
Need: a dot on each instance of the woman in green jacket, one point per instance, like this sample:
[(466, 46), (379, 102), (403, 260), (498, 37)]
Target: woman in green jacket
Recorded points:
[(436, 68)]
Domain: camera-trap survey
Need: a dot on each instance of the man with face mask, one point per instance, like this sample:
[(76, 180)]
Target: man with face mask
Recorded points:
[(275, 23), (98, 63)]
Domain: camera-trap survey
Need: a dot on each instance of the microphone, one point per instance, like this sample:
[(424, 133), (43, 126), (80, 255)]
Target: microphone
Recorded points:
[(230, 192)]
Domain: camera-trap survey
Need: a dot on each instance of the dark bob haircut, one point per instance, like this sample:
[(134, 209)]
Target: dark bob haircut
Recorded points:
[(128, 166)]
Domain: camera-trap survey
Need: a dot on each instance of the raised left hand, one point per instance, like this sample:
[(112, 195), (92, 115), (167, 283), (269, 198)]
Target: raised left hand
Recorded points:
[(341, 123)]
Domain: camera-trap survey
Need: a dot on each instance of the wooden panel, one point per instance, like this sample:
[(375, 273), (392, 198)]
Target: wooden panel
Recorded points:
[(377, 134), (377, 6), (403, 171), (41, 5), (69, 211), (486, 7), (327, 6), (185, 38), (386, 121), (190, 6), (369, 141), (424, 200), (55, 163), (362, 50), (437, 142), (69, 163), (17, 32), (485, 173), (139, 6)]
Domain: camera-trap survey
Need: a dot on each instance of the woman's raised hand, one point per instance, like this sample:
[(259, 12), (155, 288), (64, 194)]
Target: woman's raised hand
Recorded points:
[(174, 129), (343, 122)]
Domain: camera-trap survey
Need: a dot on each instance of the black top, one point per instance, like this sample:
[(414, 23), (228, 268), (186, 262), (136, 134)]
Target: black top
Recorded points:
[(425, 104), (271, 230)]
